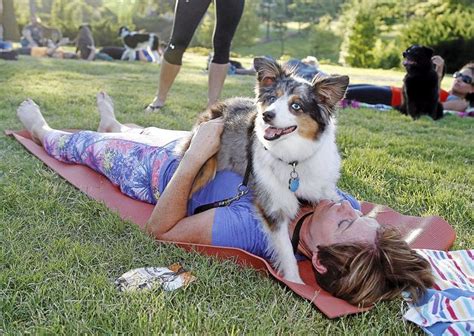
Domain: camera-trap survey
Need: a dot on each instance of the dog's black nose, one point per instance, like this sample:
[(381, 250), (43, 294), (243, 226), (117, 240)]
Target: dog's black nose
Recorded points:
[(268, 116)]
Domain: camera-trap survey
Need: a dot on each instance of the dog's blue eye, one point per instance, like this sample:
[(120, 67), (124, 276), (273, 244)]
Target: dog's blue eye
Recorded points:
[(296, 106), (272, 99)]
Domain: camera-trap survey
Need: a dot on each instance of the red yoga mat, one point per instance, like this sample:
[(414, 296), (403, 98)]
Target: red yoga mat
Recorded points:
[(420, 232)]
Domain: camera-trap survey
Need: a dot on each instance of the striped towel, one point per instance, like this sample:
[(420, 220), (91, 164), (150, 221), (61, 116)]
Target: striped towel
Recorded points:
[(447, 308)]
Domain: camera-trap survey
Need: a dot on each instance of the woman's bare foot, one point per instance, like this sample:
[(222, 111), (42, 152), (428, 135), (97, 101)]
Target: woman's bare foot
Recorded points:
[(108, 122), (30, 116), (156, 104)]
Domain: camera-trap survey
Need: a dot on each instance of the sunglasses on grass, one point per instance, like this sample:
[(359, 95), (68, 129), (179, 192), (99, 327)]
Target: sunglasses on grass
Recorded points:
[(465, 78)]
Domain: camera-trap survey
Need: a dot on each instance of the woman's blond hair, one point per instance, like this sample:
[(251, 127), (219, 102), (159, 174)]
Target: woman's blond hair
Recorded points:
[(364, 273)]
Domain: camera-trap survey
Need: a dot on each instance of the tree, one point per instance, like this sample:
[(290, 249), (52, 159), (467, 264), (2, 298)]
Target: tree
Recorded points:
[(248, 27), (362, 40), (280, 28), (33, 8), (266, 9), (8, 21)]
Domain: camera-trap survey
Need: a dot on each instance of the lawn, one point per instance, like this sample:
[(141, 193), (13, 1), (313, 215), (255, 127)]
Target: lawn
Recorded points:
[(61, 251)]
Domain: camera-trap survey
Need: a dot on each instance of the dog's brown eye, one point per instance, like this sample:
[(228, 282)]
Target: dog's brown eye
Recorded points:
[(296, 106)]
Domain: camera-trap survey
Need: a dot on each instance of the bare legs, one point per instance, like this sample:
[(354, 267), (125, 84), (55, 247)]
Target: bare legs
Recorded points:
[(168, 73), (108, 123), (151, 135), (30, 116), (32, 119), (217, 75)]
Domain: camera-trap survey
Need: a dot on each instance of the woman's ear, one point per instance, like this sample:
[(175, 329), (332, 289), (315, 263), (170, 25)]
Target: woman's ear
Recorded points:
[(317, 264)]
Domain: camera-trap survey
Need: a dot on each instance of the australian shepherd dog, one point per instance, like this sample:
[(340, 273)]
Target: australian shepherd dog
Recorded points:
[(287, 134), (134, 41)]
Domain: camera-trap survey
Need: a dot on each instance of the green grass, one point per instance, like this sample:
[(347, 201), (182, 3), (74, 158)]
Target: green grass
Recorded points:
[(297, 46), (61, 251)]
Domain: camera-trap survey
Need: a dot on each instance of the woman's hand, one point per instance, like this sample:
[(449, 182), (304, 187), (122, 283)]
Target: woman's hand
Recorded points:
[(438, 61), (168, 220), (207, 139)]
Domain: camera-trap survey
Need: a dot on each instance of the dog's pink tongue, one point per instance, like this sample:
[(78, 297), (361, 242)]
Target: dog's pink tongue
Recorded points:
[(271, 132)]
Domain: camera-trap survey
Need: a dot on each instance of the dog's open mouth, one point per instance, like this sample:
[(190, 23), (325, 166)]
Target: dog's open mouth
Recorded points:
[(273, 133)]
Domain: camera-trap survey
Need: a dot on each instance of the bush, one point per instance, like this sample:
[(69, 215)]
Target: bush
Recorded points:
[(386, 55), (105, 32), (435, 28), (361, 40), (324, 44), (160, 25), (456, 53)]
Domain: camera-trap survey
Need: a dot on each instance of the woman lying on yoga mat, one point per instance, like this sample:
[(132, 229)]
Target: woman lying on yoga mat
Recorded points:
[(354, 257)]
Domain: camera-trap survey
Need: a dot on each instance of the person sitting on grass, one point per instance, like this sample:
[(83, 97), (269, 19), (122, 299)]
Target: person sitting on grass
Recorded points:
[(354, 257), (51, 50), (459, 98)]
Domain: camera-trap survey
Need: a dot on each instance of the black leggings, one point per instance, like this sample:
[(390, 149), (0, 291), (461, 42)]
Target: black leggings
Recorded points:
[(188, 14), (370, 94)]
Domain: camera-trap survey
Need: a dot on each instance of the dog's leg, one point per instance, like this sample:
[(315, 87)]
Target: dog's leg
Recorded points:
[(284, 257), (438, 112), (124, 55), (131, 55)]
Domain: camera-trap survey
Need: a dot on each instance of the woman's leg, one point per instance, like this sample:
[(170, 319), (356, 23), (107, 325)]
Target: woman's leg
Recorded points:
[(30, 116), (370, 94), (149, 135), (130, 161), (187, 16), (228, 14)]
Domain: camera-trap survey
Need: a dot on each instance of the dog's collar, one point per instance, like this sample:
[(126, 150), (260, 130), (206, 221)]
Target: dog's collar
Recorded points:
[(292, 163), (295, 238), (294, 181)]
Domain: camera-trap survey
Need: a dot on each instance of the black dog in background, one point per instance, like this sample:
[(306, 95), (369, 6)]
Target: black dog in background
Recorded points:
[(421, 84)]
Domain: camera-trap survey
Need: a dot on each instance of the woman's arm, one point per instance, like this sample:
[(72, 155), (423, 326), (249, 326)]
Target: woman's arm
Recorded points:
[(456, 105), (438, 62), (168, 220)]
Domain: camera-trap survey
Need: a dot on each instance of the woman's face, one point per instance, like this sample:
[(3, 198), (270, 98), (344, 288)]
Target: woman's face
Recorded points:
[(460, 88), (340, 223)]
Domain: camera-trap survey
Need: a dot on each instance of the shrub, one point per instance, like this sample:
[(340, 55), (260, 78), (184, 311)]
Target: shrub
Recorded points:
[(324, 44), (456, 53), (435, 28), (361, 40), (386, 55), (160, 25)]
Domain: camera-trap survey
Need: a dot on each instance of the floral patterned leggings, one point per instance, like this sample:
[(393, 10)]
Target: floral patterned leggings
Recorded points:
[(135, 167)]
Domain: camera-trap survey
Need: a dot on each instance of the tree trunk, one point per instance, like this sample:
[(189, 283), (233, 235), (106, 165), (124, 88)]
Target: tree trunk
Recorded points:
[(8, 21), (33, 8)]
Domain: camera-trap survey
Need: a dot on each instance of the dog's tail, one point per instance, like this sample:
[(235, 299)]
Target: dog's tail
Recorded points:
[(209, 169)]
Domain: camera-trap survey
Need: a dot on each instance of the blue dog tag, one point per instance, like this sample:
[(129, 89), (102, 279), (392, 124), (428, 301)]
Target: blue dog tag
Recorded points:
[(293, 184)]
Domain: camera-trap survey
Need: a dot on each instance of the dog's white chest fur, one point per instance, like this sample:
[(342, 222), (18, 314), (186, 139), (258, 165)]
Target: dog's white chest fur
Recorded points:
[(318, 172)]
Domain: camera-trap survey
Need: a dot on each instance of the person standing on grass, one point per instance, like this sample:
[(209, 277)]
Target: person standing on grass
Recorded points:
[(354, 257), (187, 16)]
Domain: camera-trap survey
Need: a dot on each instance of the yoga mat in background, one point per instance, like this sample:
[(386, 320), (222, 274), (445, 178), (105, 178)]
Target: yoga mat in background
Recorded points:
[(420, 232)]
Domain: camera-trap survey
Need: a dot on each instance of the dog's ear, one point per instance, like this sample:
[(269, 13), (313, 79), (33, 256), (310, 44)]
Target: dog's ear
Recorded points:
[(267, 70), (428, 52), (329, 89)]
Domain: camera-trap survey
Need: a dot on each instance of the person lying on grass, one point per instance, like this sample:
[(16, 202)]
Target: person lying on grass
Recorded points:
[(459, 98), (354, 258)]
